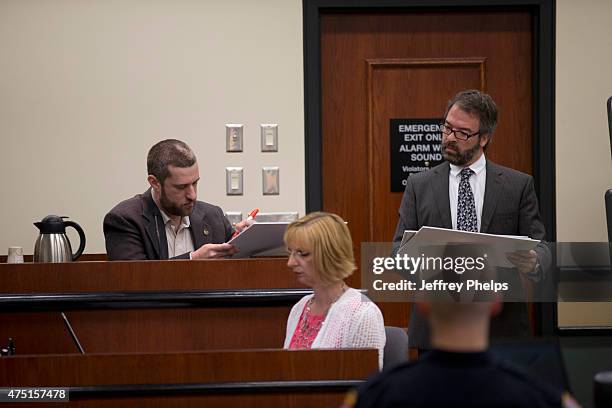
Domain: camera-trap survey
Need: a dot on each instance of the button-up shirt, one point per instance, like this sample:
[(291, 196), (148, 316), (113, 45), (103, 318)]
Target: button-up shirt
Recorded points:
[(477, 184), (178, 238)]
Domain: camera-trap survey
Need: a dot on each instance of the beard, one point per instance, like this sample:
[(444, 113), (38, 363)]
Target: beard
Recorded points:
[(172, 208), (456, 157)]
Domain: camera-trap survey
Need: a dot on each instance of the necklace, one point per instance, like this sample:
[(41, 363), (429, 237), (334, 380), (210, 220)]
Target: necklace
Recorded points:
[(311, 324)]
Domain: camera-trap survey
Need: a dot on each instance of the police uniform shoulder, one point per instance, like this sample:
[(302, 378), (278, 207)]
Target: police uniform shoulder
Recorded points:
[(396, 371), (382, 384), (529, 381)]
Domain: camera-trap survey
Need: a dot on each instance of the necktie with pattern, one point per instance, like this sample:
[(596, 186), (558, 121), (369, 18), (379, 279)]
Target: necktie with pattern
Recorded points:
[(466, 208)]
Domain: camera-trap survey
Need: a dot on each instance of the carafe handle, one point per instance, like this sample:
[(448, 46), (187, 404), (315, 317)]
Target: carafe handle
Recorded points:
[(78, 229)]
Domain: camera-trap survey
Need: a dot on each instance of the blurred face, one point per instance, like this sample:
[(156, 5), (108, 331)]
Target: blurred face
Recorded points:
[(302, 263), (462, 152), (179, 191)]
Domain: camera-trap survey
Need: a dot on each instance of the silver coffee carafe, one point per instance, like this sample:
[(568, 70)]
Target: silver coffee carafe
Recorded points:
[(52, 245)]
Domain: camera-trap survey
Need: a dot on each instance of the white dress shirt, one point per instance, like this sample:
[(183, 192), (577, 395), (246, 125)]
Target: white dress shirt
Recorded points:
[(477, 184), (179, 238)]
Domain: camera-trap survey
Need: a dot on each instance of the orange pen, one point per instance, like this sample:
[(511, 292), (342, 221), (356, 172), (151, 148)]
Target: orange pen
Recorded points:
[(251, 216)]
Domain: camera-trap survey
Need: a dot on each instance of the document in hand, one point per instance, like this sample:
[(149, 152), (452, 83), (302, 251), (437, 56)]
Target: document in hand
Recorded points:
[(259, 237), (408, 234), (433, 236)]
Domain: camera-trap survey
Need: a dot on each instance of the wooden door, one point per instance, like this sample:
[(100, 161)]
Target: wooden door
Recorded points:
[(376, 66)]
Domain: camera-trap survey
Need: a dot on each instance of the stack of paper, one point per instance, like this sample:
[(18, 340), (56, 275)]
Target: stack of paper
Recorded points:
[(427, 237)]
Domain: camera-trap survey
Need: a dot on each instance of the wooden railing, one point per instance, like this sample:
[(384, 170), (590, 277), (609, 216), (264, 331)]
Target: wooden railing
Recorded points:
[(147, 306), (266, 378)]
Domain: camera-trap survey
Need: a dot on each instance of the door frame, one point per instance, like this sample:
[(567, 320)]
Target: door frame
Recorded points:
[(543, 96)]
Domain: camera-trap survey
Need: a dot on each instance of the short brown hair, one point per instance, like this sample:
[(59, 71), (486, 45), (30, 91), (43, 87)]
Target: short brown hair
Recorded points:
[(479, 104), (328, 238), (169, 152)]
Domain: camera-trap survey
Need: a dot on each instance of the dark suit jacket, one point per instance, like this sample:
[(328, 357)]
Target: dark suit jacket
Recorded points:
[(134, 229), (510, 208)]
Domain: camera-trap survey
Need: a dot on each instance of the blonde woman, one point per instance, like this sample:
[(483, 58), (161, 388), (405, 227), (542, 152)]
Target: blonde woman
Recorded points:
[(335, 316)]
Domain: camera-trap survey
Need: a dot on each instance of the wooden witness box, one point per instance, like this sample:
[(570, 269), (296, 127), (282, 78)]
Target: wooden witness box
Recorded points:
[(167, 333), (147, 306), (229, 378)]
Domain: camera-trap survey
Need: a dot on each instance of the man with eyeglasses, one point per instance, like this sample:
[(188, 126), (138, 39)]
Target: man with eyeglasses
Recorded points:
[(471, 193)]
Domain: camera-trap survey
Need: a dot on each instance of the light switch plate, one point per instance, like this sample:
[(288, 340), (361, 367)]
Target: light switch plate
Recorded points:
[(234, 217), (269, 137), (233, 180), (270, 180), (233, 137)]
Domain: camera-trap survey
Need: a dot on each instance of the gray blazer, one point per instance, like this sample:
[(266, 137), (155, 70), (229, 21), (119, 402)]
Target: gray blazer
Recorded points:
[(134, 229), (510, 208)]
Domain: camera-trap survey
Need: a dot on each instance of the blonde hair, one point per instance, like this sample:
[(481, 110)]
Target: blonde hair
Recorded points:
[(328, 239)]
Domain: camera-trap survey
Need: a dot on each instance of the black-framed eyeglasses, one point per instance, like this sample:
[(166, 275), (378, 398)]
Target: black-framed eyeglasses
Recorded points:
[(459, 134)]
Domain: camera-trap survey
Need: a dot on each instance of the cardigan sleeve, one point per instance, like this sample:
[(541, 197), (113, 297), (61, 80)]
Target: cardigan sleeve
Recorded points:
[(369, 330)]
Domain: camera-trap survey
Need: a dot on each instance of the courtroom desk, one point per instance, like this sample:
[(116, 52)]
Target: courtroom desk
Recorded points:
[(101, 276), (265, 378), (54, 277), (82, 258), (147, 306)]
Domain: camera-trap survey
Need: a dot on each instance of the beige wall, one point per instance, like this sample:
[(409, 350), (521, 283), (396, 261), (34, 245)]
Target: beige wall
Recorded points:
[(86, 87), (584, 168), (583, 84)]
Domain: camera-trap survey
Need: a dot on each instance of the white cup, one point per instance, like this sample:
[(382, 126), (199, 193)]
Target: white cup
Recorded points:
[(15, 255)]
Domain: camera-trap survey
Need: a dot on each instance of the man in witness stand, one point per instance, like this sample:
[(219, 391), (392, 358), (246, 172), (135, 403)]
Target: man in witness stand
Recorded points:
[(459, 371), (471, 193), (167, 221)]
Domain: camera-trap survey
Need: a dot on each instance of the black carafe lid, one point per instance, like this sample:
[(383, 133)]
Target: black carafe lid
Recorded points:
[(51, 224)]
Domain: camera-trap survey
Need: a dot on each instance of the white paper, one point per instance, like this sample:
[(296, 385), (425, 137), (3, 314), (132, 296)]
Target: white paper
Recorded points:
[(433, 236)]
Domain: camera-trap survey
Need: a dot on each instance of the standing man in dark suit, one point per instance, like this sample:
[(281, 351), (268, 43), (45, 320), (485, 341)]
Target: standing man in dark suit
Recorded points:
[(468, 192), (167, 221)]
